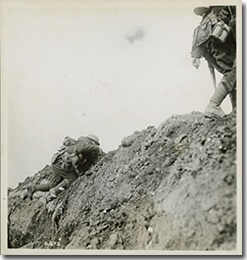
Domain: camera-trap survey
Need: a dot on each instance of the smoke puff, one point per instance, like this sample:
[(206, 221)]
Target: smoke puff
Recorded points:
[(138, 34)]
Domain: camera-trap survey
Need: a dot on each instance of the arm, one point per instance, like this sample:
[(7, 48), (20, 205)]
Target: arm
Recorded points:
[(196, 52)]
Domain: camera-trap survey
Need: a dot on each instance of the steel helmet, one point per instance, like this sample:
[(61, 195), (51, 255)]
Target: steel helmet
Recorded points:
[(200, 10), (94, 138)]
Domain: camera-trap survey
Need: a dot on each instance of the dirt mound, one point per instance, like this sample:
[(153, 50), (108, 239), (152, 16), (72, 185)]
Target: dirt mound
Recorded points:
[(169, 188)]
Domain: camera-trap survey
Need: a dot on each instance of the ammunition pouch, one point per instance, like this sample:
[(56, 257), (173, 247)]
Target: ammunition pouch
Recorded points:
[(212, 29), (220, 31)]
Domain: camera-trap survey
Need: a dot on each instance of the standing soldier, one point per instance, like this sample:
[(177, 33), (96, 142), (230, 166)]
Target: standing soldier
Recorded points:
[(215, 40), (71, 160)]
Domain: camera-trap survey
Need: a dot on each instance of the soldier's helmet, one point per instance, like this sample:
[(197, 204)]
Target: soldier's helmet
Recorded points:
[(200, 10), (94, 138)]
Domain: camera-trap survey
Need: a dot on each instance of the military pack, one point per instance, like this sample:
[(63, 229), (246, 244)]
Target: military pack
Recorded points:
[(212, 27), (220, 31)]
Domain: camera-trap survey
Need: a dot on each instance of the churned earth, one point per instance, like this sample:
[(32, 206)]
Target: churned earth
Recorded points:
[(167, 188)]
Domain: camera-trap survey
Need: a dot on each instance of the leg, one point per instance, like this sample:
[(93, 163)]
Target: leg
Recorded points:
[(213, 109), (42, 187), (56, 179), (225, 87), (232, 96), (68, 177), (230, 83), (229, 79), (61, 179)]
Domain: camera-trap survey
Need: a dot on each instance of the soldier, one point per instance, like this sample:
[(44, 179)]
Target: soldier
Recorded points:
[(215, 40), (71, 160)]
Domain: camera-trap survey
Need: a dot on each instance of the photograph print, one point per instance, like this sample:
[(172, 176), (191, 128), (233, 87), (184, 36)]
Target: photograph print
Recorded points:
[(121, 127)]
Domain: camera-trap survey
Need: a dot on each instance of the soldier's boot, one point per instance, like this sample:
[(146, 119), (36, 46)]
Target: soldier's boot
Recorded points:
[(213, 109), (32, 188)]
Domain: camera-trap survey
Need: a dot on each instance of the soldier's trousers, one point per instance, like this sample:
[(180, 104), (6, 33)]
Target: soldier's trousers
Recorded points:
[(230, 83), (59, 174)]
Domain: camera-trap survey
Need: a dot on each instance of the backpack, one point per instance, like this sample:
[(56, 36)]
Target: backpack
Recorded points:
[(67, 143), (220, 31), (212, 27)]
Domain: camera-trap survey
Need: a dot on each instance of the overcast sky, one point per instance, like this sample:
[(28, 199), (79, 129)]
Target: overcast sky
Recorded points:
[(107, 71)]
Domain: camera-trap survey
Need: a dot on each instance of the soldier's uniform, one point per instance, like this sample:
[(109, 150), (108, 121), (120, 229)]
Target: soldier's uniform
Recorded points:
[(74, 158), (215, 40)]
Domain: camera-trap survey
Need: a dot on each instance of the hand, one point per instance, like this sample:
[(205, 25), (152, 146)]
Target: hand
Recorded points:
[(196, 62)]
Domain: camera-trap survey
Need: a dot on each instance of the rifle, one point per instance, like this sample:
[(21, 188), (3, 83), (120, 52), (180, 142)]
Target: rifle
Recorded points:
[(212, 74)]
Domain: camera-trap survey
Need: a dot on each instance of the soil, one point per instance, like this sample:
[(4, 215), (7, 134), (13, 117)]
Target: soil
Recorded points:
[(167, 188)]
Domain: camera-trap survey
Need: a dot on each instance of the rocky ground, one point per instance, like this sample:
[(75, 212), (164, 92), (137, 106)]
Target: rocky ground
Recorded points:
[(166, 188)]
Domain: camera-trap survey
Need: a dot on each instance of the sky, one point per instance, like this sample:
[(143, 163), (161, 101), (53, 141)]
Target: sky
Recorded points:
[(105, 70)]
